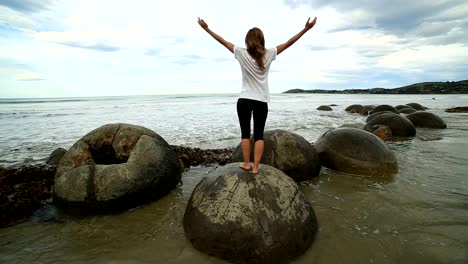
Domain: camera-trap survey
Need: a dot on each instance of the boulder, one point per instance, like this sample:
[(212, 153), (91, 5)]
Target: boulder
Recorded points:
[(381, 108), (417, 106), (399, 107), (357, 108), (400, 125), (324, 108), (407, 111), (426, 119), (56, 156), (245, 218), (115, 167), (355, 151), (460, 109), (287, 151)]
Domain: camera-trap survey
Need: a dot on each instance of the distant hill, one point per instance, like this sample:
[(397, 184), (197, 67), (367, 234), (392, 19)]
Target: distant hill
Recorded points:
[(460, 87)]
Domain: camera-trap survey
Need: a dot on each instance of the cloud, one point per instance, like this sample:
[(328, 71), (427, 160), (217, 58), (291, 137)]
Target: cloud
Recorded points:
[(16, 20), (81, 39), (396, 17), (29, 76), (26, 5)]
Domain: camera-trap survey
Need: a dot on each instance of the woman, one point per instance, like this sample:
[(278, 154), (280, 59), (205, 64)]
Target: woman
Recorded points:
[(255, 63)]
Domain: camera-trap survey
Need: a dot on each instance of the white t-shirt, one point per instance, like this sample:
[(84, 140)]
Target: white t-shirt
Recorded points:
[(254, 80)]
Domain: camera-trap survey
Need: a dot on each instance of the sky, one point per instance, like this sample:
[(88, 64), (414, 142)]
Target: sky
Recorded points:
[(69, 48)]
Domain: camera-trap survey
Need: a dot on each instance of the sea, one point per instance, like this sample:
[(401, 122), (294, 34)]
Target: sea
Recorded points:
[(419, 215)]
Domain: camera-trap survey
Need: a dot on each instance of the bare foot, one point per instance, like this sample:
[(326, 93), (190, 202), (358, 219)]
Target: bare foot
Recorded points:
[(255, 171), (246, 167)]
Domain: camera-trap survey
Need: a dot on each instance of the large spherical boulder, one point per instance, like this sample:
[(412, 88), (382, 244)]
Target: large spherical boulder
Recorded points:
[(417, 106), (426, 119), (115, 167), (287, 151), (384, 107), (355, 151), (357, 108), (246, 218), (400, 126), (324, 108)]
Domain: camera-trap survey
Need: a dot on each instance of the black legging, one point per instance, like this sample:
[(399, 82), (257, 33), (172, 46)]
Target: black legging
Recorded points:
[(245, 107)]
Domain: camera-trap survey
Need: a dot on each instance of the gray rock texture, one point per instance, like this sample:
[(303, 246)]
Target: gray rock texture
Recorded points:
[(115, 167), (246, 218), (56, 156), (426, 119), (287, 151), (355, 151)]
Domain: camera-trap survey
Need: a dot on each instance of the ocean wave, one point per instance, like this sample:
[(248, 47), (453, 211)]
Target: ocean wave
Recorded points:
[(58, 100)]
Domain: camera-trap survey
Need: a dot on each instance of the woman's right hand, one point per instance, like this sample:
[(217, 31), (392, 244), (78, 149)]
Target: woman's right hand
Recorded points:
[(310, 24), (202, 23)]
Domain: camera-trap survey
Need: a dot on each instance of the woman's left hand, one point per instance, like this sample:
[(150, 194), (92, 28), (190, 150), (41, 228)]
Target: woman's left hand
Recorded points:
[(202, 23)]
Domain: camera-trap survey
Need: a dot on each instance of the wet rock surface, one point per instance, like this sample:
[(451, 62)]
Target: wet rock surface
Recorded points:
[(324, 108), (204, 157), (460, 109), (355, 151), (357, 108), (427, 120), (23, 190), (245, 218)]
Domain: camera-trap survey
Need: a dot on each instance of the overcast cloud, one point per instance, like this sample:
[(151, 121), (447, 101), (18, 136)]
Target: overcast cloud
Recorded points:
[(91, 48)]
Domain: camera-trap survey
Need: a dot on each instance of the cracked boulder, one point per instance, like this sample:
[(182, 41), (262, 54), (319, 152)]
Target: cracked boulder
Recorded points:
[(355, 151), (245, 218), (115, 167), (287, 151)]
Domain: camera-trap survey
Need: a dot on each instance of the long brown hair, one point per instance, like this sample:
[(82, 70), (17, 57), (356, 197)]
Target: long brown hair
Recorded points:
[(255, 43)]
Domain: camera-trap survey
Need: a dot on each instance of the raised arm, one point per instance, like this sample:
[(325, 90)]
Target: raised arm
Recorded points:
[(223, 42), (280, 48)]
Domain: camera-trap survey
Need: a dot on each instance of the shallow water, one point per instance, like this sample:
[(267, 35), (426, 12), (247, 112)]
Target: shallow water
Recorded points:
[(418, 216)]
